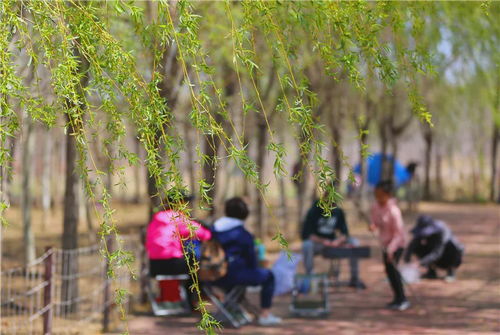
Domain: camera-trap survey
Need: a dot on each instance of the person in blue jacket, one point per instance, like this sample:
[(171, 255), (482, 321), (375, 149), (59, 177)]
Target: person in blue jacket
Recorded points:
[(239, 246)]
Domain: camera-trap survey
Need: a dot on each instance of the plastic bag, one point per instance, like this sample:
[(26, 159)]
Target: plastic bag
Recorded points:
[(409, 272), (284, 270)]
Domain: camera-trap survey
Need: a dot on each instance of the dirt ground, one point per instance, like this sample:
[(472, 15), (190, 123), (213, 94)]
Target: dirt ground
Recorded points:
[(471, 305)]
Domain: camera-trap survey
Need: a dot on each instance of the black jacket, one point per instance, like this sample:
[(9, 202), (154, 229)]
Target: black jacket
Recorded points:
[(430, 238), (324, 226)]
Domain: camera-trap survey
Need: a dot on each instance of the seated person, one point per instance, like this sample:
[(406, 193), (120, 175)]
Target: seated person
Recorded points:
[(435, 247), (164, 237), (319, 231), (241, 256)]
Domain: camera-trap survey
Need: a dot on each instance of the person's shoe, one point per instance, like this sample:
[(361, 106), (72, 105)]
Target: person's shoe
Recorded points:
[(450, 275), (357, 284), (430, 274), (269, 320), (399, 306), (450, 278)]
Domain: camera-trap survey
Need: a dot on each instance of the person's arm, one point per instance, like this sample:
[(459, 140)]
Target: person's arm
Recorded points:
[(436, 251), (373, 217), (248, 250), (199, 232), (202, 233)]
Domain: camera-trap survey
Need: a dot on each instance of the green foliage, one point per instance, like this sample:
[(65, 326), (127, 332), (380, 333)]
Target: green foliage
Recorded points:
[(103, 78)]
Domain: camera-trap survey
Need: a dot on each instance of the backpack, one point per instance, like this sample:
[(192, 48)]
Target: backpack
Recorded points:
[(213, 264)]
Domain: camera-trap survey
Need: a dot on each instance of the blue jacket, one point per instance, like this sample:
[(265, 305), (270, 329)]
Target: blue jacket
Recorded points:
[(239, 247)]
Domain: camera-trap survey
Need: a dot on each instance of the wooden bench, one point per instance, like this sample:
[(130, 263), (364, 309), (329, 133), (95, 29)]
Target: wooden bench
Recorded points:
[(335, 254)]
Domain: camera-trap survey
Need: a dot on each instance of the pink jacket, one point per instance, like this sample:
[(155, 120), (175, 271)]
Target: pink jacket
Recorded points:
[(163, 237), (389, 221)]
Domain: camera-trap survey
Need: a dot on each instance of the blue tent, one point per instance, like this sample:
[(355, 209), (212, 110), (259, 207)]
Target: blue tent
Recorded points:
[(374, 164)]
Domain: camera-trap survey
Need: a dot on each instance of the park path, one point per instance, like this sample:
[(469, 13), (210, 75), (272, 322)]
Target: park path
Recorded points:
[(471, 305)]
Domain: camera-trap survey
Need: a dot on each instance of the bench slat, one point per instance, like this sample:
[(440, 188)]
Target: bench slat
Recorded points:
[(357, 252)]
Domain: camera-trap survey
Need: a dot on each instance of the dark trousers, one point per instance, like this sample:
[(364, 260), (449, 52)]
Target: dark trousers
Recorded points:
[(171, 266), (394, 276), (252, 277), (451, 257), (267, 291)]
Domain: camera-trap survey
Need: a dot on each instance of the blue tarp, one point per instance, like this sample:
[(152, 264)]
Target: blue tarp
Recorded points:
[(374, 164)]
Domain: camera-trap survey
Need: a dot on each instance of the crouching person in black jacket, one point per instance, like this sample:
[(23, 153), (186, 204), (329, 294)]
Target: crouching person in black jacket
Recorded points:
[(435, 246)]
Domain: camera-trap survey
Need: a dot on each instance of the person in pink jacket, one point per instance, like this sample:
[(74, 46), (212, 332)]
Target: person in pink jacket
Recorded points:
[(164, 245), (386, 218)]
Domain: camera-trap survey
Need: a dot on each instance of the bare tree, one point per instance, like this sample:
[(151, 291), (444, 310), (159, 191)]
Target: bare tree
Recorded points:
[(28, 143), (212, 145), (69, 287), (137, 172), (46, 177), (362, 119), (494, 185), (27, 189), (428, 139), (495, 139)]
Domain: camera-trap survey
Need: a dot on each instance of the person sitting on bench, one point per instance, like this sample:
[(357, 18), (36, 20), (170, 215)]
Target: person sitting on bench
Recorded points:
[(319, 232), (435, 246), (165, 251), (239, 246)]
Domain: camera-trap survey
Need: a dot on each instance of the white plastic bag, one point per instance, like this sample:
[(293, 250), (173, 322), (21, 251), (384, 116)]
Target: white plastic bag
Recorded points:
[(284, 270), (409, 272)]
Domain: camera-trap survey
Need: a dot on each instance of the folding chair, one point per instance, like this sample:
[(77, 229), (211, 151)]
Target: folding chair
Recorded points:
[(230, 309), (174, 308), (310, 295)]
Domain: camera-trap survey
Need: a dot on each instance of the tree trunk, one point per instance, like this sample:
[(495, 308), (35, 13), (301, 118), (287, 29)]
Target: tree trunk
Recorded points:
[(191, 160), (300, 182), (70, 226), (261, 222), (6, 180), (336, 152), (494, 185), (153, 192), (395, 149), (27, 198), (439, 177), (385, 169), (109, 168), (69, 285), (88, 216), (46, 178), (212, 144), (361, 198), (84, 208), (168, 89), (283, 211), (474, 181), (428, 138), (137, 172)]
